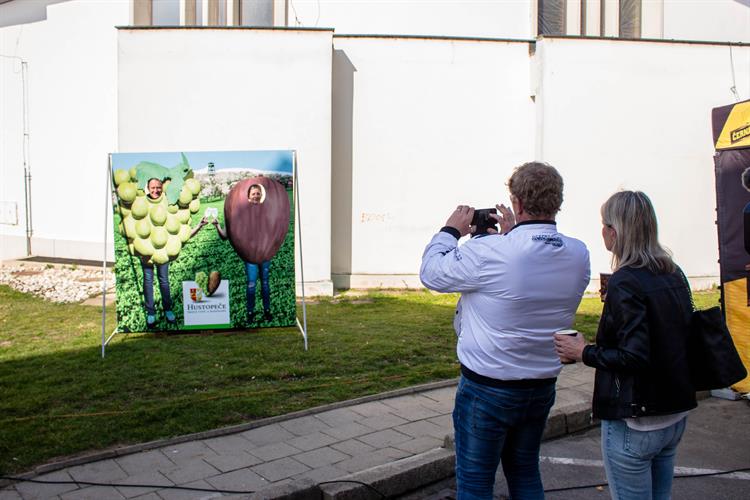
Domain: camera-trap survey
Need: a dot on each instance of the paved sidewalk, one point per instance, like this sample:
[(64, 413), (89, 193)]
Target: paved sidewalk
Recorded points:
[(372, 441)]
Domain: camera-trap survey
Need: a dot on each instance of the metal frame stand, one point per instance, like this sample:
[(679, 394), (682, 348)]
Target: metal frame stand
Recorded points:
[(108, 193), (302, 326)]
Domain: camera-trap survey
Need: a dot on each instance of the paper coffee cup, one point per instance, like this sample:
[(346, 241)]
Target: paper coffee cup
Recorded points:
[(567, 361)]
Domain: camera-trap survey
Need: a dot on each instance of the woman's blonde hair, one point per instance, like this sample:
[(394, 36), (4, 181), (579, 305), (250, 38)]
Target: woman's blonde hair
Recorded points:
[(632, 216)]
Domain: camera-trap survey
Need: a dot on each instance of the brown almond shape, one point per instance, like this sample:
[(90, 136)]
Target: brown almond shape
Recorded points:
[(256, 231), (214, 280)]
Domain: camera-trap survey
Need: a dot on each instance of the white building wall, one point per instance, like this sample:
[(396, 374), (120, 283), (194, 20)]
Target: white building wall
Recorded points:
[(72, 118), (419, 127), (239, 89), (714, 20), (457, 18), (637, 115)]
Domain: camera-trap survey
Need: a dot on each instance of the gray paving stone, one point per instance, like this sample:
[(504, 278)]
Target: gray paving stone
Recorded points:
[(227, 462), (327, 473), (321, 457), (187, 472), (268, 434), (144, 462), (384, 438), (229, 444), (311, 441), (179, 494), (445, 422), (280, 469), (152, 478), (32, 491), (274, 451), (378, 457), (187, 452), (440, 407), (103, 471), (371, 409), (421, 428), (443, 395), (93, 493), (148, 496), (304, 425), (408, 407), (353, 447), (10, 494), (348, 431), (383, 421), (420, 444), (340, 416), (239, 480)]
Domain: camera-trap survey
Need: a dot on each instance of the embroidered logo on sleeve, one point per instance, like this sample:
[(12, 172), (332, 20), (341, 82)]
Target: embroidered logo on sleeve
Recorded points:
[(547, 239), (457, 254)]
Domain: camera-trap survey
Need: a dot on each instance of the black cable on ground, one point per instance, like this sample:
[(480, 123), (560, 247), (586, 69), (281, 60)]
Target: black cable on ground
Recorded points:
[(681, 476), (371, 487), (173, 487)]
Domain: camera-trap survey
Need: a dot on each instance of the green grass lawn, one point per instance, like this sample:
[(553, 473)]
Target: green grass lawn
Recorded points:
[(59, 397)]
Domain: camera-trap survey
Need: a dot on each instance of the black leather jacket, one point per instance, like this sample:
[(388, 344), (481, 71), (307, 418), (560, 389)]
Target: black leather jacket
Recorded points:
[(640, 352)]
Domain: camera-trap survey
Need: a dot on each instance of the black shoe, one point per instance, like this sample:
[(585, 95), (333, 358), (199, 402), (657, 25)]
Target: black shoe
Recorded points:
[(250, 318), (267, 315)]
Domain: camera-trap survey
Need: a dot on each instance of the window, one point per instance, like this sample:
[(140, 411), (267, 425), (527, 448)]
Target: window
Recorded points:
[(551, 17), (630, 18)]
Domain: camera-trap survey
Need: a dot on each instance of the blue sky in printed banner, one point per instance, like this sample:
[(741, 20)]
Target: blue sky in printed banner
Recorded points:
[(262, 161)]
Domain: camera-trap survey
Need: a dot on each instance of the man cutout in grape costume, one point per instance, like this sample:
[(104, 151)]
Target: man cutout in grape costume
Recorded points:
[(155, 189), (256, 214)]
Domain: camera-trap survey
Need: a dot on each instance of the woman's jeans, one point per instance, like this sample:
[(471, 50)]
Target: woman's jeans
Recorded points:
[(499, 424), (162, 271), (265, 289), (640, 464)]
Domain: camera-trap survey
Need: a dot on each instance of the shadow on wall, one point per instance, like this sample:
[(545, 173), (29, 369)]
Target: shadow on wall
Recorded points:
[(13, 13), (342, 163)]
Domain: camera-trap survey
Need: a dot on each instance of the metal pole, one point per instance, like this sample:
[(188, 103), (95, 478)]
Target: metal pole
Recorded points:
[(107, 192), (301, 266)]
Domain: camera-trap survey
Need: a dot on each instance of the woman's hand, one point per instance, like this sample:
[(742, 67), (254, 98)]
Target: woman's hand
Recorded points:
[(570, 346)]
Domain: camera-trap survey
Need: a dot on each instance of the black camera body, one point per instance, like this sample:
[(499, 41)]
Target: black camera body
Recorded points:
[(482, 220)]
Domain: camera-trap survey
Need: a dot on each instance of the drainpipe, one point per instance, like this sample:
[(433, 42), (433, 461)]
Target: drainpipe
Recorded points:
[(26, 160)]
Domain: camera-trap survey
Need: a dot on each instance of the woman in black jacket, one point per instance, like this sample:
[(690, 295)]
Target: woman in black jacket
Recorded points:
[(642, 392)]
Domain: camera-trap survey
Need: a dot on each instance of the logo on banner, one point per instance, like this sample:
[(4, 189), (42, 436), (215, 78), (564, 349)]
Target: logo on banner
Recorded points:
[(200, 309), (739, 134)]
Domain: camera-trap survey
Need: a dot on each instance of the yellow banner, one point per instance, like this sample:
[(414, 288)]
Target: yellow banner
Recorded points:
[(736, 131), (738, 318)]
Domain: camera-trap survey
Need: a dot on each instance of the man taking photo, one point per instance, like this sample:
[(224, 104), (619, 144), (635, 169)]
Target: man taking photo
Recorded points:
[(518, 287)]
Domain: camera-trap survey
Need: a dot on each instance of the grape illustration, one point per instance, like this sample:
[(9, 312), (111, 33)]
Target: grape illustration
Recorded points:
[(156, 229), (201, 279)]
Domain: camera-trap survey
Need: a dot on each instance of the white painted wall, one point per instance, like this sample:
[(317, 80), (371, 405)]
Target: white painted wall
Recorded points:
[(637, 115), (714, 20), (239, 89), (420, 126), (467, 18), (72, 119)]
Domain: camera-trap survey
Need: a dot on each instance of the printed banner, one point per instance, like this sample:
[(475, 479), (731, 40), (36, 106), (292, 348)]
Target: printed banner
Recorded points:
[(204, 240), (732, 169)]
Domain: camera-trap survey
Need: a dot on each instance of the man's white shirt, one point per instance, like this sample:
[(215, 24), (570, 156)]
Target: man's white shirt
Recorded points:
[(516, 290)]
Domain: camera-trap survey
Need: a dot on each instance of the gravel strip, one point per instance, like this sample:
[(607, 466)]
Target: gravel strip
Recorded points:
[(64, 284)]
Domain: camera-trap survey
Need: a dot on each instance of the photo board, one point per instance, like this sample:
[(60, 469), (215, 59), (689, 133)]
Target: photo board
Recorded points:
[(203, 240)]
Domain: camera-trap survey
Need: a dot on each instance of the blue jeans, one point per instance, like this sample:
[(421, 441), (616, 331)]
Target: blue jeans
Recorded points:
[(265, 289), (640, 464), (162, 271), (499, 424)]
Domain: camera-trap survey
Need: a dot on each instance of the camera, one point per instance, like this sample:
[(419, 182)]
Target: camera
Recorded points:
[(482, 220)]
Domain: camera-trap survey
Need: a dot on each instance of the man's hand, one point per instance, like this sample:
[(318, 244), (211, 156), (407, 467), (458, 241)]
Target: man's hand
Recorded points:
[(504, 217), (460, 219)]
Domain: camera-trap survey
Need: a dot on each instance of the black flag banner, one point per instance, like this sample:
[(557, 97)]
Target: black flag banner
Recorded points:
[(731, 134)]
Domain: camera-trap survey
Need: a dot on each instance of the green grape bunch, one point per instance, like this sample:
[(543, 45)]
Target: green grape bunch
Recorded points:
[(201, 279), (156, 229)]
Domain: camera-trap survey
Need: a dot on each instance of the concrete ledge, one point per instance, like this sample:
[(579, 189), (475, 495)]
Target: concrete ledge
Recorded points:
[(395, 478)]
